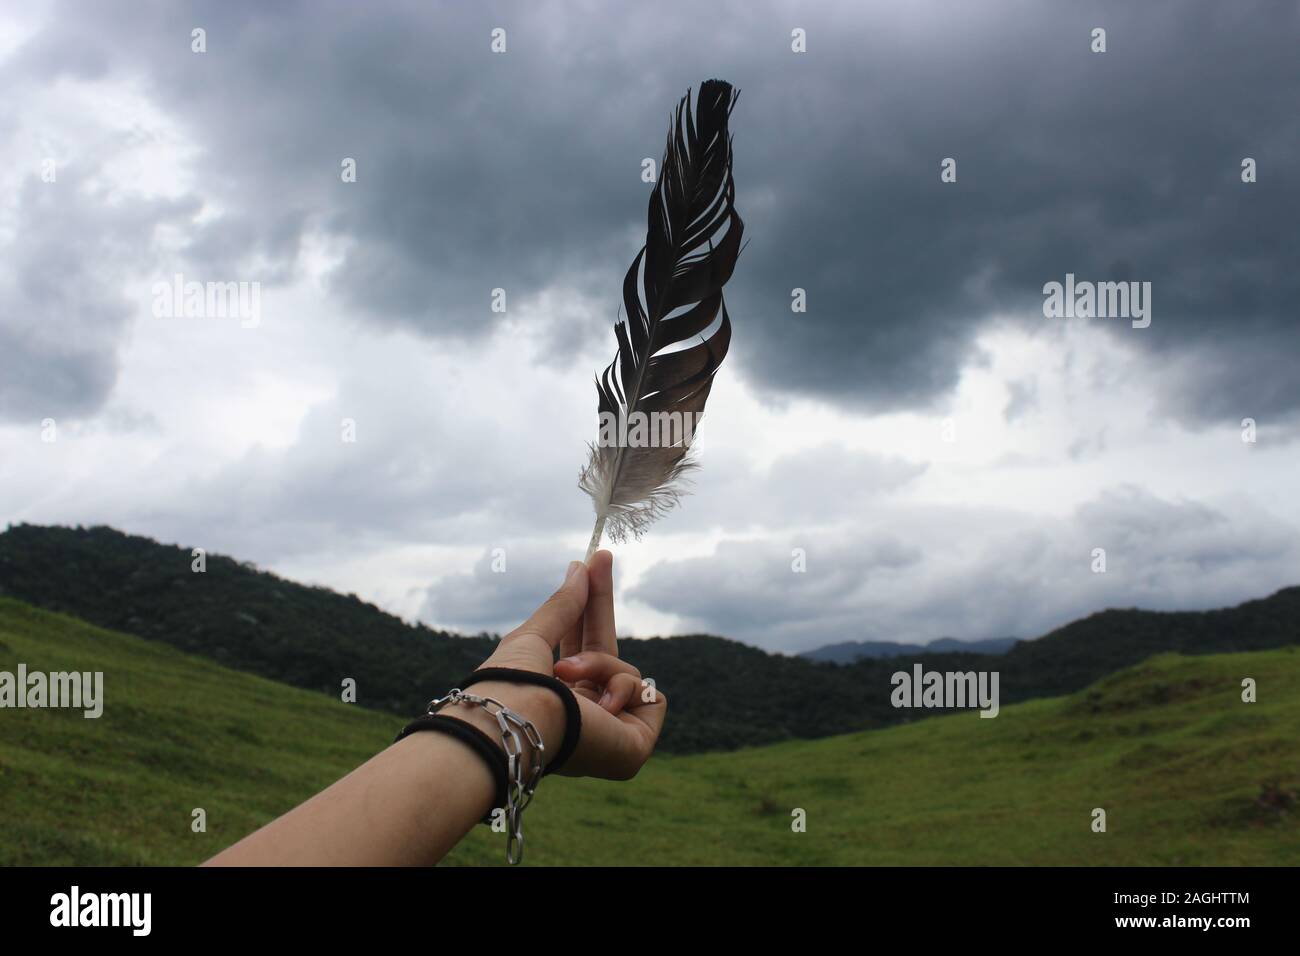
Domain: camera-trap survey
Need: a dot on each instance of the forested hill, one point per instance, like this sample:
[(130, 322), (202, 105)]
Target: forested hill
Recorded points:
[(724, 694)]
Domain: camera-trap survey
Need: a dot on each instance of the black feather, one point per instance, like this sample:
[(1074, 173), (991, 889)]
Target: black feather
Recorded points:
[(671, 294)]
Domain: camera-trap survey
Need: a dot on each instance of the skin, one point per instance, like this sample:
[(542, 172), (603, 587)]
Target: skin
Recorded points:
[(410, 804)]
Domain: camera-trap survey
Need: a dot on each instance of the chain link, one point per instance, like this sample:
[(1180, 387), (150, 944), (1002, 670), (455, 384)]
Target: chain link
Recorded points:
[(519, 792)]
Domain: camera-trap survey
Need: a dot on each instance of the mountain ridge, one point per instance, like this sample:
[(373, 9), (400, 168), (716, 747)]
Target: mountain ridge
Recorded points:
[(725, 694), (846, 652)]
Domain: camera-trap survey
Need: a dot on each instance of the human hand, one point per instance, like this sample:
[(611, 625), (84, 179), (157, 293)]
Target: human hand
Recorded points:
[(622, 716)]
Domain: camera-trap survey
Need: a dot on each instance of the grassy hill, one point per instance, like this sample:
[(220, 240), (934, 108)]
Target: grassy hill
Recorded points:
[(1187, 773), (312, 638)]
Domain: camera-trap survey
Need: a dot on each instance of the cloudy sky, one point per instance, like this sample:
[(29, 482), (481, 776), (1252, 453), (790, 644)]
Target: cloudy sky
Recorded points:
[(945, 456)]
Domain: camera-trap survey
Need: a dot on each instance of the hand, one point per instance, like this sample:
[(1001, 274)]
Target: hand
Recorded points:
[(621, 715)]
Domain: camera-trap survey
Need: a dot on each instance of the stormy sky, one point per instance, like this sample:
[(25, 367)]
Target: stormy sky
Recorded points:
[(944, 457)]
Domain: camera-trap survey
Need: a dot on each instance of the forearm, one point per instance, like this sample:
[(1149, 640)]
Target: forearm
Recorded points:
[(407, 806)]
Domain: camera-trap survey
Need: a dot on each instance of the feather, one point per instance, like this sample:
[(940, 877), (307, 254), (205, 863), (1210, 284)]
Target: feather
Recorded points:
[(671, 294)]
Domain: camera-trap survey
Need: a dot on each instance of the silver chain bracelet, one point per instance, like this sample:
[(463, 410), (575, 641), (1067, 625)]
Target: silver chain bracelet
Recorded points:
[(518, 792)]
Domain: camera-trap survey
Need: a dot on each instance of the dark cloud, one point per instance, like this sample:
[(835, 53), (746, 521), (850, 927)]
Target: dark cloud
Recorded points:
[(1121, 165), (521, 170)]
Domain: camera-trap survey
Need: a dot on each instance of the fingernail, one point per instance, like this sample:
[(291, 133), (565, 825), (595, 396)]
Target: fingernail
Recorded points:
[(575, 659), (573, 569), (606, 698)]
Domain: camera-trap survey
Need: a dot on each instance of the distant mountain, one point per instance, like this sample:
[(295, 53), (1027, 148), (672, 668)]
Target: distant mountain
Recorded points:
[(724, 694), (849, 651)]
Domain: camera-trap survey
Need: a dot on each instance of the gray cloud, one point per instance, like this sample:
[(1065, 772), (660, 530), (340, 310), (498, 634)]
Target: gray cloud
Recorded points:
[(63, 311), (752, 585), (503, 588), (1022, 400), (968, 574), (439, 472), (810, 487)]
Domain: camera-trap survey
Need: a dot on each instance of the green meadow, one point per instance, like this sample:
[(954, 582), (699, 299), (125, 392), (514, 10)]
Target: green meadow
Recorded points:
[(1186, 772)]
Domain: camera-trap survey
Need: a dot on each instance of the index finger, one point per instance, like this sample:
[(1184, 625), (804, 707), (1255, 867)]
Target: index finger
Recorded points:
[(562, 610)]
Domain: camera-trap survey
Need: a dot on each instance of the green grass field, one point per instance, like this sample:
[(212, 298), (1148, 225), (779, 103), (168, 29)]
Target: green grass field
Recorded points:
[(1167, 748)]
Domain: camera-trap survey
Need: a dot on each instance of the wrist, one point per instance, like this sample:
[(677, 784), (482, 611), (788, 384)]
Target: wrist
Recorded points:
[(538, 705)]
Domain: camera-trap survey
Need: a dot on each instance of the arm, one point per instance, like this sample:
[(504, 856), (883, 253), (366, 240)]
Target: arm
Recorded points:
[(413, 802)]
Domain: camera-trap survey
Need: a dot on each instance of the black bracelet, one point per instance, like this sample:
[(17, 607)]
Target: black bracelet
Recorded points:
[(478, 741), (572, 715)]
